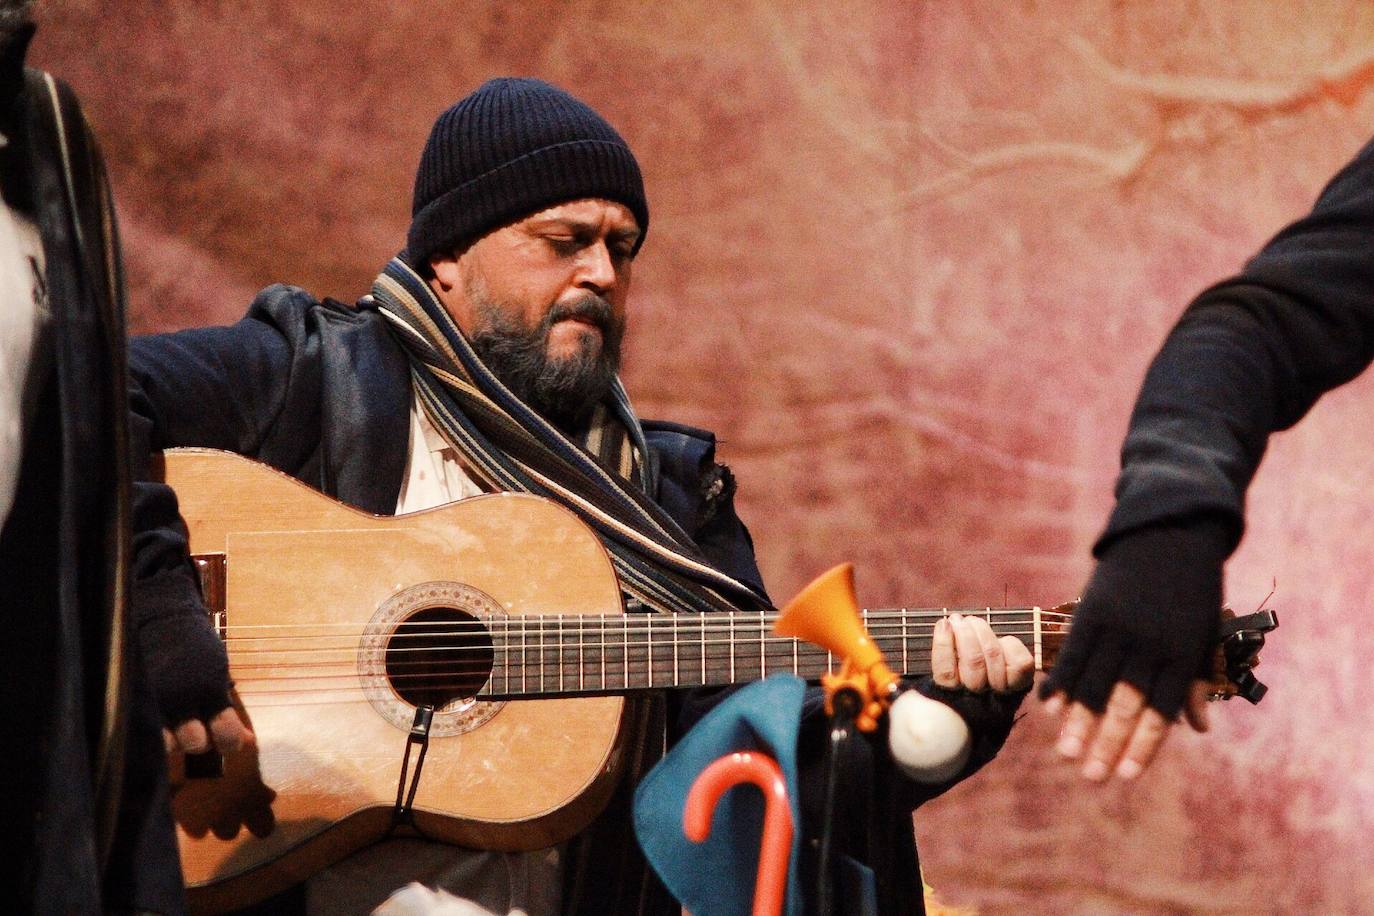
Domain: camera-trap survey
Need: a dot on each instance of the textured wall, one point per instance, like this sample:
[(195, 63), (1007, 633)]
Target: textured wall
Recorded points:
[(910, 260)]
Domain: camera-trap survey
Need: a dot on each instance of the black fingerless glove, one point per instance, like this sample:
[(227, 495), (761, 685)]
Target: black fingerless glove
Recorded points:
[(182, 654), (1149, 616)]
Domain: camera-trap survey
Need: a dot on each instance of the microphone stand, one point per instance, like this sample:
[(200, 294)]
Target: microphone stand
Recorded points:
[(846, 703), (856, 696)]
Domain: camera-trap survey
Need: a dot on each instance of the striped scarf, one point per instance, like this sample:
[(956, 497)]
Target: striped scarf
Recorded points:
[(604, 478)]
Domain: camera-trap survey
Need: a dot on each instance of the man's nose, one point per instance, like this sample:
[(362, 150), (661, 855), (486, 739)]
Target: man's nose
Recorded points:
[(596, 268)]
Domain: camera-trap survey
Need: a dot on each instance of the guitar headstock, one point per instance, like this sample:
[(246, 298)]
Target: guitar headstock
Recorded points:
[(1239, 643), (1237, 654)]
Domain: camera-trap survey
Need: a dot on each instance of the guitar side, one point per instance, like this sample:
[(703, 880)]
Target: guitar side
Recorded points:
[(305, 577)]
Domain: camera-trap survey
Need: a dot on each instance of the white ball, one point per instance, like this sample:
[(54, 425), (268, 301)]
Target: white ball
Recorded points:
[(929, 740)]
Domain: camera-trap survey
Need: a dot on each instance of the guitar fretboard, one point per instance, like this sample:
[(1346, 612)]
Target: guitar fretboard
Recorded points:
[(589, 655)]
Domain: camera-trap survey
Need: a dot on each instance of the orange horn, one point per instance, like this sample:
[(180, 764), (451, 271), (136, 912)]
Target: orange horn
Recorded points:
[(827, 613)]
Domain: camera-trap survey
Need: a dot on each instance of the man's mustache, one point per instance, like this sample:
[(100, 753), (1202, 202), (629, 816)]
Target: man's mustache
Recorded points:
[(590, 308)]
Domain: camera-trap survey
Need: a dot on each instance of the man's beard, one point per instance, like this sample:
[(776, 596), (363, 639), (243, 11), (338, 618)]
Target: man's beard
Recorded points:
[(563, 391)]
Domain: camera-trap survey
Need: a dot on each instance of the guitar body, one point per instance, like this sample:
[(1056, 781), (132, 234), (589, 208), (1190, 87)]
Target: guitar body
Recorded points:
[(313, 590)]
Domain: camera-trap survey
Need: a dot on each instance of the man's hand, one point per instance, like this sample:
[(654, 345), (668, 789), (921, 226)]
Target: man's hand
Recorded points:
[(226, 804), (189, 670), (966, 653), (226, 734), (1141, 638), (1126, 735)]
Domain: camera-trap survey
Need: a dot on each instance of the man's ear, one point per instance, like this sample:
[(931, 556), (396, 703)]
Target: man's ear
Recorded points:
[(449, 286), (445, 270)]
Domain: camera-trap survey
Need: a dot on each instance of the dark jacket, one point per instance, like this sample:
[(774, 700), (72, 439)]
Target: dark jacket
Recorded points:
[(84, 802), (322, 392), (1249, 357)]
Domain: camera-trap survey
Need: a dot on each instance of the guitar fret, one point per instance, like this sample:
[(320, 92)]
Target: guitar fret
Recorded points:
[(567, 630), (701, 624), (625, 644), (906, 666), (524, 661), (603, 653), (763, 646), (732, 649), (586, 654), (863, 618), (685, 649), (649, 645), (558, 652)]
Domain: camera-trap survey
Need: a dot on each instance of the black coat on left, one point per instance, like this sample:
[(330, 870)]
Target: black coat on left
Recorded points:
[(84, 800)]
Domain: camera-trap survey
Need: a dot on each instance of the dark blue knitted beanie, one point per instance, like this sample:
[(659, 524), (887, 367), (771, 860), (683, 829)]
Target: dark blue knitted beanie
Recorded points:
[(512, 148)]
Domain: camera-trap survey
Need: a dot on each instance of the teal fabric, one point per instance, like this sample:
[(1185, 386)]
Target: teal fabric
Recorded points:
[(716, 878)]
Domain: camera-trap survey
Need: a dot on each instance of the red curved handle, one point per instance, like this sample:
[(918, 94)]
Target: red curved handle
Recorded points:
[(776, 844)]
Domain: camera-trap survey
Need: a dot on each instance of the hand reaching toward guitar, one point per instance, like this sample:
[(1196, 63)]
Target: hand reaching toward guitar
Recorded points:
[(229, 802), (964, 652), (190, 676), (190, 673), (189, 670), (225, 733), (1140, 643)]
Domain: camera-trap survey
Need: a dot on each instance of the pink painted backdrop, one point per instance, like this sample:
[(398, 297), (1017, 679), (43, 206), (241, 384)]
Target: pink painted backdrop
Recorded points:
[(910, 261)]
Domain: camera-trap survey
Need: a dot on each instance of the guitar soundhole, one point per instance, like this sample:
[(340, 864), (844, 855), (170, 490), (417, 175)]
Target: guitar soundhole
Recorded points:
[(438, 655), (430, 644)]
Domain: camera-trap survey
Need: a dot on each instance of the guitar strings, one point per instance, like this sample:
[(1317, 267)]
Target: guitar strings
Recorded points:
[(554, 677), (612, 667), (745, 619), (742, 640), (575, 627), (569, 648), (609, 650), (538, 626), (571, 639), (514, 660)]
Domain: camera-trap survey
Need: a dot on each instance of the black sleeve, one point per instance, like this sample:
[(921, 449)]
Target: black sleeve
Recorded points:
[(1248, 357), (213, 388), (209, 388)]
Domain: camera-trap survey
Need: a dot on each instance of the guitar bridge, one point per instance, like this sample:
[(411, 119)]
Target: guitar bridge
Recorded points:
[(211, 570)]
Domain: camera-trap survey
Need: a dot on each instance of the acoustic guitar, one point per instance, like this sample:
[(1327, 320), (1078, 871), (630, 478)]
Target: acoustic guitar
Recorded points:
[(459, 672)]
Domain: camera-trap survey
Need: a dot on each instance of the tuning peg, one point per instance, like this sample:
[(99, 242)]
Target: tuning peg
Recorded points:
[(1242, 640), (1249, 687), (1260, 622)]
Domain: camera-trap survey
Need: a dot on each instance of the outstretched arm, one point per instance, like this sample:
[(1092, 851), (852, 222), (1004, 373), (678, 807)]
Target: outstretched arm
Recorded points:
[(1249, 357)]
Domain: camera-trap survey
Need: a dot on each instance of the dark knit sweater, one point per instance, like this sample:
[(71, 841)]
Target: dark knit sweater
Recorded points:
[(1249, 357)]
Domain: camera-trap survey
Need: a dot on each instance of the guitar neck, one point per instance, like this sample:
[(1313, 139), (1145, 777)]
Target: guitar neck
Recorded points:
[(590, 655)]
